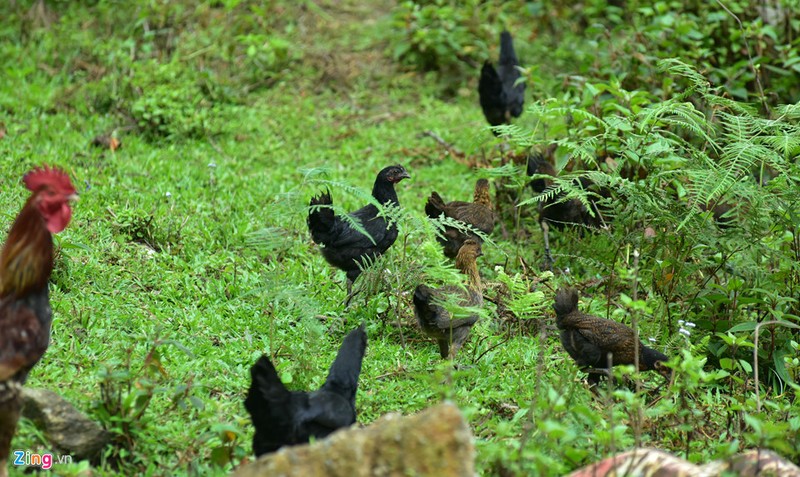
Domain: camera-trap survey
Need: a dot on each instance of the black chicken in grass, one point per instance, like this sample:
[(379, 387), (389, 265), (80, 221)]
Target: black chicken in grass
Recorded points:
[(590, 340), (283, 418), (478, 214), (435, 320), (343, 246), (556, 211), (501, 96)]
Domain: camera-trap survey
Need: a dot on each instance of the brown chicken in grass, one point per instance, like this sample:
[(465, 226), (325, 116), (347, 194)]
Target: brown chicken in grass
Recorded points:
[(451, 333), (477, 214), (596, 344), (25, 266)]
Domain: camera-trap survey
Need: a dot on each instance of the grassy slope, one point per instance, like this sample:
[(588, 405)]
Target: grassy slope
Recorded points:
[(239, 275)]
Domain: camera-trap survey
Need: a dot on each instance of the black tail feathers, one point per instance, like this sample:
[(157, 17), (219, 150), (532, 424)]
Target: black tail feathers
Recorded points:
[(343, 374)]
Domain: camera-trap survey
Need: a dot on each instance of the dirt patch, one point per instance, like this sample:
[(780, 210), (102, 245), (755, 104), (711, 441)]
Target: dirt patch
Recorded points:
[(340, 42)]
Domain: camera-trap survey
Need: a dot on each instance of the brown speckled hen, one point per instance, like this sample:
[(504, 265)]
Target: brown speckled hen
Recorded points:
[(25, 266), (590, 340), (478, 214)]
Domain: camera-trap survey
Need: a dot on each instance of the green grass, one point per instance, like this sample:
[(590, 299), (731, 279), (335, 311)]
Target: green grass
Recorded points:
[(188, 257)]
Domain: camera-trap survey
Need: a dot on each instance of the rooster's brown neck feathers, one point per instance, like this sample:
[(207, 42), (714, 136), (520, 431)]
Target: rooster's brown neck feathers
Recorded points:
[(27, 257)]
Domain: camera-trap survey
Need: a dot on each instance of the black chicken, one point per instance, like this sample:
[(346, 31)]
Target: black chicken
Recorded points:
[(501, 96), (345, 247), (721, 211), (556, 210), (282, 417), (596, 344), (477, 214), (436, 321)]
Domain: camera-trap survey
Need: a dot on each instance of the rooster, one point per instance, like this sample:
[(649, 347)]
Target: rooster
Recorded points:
[(451, 334), (501, 95), (345, 247), (25, 266), (478, 214), (284, 418)]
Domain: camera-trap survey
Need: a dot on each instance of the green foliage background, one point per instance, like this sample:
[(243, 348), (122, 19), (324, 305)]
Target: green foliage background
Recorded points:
[(188, 255)]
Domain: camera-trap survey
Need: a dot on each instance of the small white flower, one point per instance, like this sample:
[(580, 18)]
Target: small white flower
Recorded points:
[(389, 272), (681, 322), (498, 269), (168, 194), (651, 339), (689, 324), (212, 164), (685, 332)]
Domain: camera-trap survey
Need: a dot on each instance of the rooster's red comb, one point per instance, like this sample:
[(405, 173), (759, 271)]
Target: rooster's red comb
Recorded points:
[(46, 176)]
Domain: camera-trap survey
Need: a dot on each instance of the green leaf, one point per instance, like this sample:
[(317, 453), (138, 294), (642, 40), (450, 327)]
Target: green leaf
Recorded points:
[(747, 326), (780, 366), (220, 456), (748, 368)]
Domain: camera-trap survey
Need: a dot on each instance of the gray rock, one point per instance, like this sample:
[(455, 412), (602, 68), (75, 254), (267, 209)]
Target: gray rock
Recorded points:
[(68, 430)]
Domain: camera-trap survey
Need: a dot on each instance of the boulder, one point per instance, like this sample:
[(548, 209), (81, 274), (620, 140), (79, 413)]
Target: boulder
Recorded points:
[(67, 429), (436, 442)]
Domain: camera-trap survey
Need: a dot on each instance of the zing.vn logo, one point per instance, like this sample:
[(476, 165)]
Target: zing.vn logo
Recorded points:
[(45, 461)]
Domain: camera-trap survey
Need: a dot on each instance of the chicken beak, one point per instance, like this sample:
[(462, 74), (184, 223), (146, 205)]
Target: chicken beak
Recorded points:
[(403, 175), (73, 197)]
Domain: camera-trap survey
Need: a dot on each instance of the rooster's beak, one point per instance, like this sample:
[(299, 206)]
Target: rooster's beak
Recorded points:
[(404, 175), (73, 198)]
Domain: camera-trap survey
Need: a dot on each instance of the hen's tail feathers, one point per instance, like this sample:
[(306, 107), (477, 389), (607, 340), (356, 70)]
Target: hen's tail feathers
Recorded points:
[(343, 376), (566, 301), (534, 162), (435, 205), (537, 164), (490, 87), (321, 220), (507, 54), (266, 388), (424, 303), (423, 295)]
